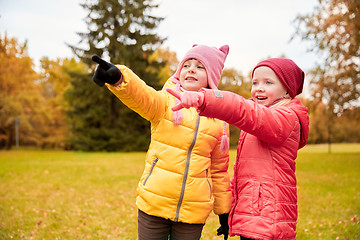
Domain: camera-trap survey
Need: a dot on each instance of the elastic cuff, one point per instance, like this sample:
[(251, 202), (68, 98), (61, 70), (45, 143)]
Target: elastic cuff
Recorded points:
[(118, 82)]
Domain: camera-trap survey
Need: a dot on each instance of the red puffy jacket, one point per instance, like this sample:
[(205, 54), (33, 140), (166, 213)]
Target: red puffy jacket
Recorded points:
[(264, 182)]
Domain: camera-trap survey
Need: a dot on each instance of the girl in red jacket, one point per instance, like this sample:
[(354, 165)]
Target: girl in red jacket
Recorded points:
[(274, 126)]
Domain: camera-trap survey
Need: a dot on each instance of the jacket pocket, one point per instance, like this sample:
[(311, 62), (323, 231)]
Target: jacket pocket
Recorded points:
[(151, 170), (207, 179), (257, 198)]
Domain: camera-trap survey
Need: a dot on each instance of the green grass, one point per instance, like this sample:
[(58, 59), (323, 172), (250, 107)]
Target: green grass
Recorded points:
[(68, 195), (329, 192), (76, 195)]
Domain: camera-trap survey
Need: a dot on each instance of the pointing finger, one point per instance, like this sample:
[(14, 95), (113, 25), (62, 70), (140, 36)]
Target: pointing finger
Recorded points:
[(103, 64), (174, 93)]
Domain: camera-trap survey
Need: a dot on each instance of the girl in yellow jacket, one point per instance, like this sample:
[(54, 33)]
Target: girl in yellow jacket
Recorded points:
[(186, 166)]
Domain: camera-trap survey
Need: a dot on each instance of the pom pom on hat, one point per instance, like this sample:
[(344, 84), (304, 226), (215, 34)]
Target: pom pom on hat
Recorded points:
[(211, 57), (177, 115), (291, 76), (225, 145)]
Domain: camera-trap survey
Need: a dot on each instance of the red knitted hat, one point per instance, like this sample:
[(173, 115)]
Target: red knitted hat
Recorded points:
[(212, 58), (291, 76)]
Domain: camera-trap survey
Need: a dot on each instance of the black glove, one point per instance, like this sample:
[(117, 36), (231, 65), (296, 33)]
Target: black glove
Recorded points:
[(105, 72), (224, 228)]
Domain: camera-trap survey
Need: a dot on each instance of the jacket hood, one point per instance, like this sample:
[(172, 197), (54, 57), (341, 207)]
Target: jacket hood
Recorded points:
[(302, 113)]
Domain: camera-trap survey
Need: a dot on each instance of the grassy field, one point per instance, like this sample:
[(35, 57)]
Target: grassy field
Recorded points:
[(77, 195)]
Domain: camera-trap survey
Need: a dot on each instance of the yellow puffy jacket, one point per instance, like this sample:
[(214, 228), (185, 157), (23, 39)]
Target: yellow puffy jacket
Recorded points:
[(185, 175)]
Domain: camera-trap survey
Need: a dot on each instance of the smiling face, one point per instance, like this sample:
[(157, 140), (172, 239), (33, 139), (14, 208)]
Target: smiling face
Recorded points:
[(193, 75), (266, 86)]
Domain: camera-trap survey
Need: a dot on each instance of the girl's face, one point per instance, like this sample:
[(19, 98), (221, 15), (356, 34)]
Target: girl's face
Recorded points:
[(193, 75), (266, 86)]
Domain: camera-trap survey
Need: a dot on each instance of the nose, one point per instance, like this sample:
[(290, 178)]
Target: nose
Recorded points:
[(259, 88), (192, 69)]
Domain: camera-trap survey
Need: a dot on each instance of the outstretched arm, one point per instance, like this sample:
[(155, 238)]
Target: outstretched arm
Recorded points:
[(138, 96), (255, 119)]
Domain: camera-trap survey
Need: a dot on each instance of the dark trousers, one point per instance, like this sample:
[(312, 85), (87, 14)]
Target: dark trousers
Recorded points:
[(157, 228)]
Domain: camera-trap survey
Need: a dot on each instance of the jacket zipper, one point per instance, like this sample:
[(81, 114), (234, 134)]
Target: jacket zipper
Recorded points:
[(186, 172), (151, 170), (207, 179)]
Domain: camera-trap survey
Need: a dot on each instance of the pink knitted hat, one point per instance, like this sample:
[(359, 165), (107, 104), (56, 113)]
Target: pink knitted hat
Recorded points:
[(212, 58), (291, 76)]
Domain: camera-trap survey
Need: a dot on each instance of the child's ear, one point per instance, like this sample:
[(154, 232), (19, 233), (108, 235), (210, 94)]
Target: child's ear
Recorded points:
[(224, 49)]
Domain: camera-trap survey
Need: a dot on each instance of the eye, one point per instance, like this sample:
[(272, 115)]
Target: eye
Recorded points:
[(200, 67), (268, 82), (186, 65), (254, 83)]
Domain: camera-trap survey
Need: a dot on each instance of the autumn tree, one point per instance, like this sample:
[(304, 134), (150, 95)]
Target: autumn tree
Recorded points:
[(334, 29), (232, 80), (55, 81), (169, 60), (347, 127), (122, 32), (318, 127), (344, 128), (20, 96)]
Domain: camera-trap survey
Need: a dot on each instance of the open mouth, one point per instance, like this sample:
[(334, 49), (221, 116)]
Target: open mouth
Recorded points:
[(190, 79), (261, 98)]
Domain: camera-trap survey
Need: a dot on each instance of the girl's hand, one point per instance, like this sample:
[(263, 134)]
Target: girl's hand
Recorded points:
[(224, 226), (187, 99), (106, 72)]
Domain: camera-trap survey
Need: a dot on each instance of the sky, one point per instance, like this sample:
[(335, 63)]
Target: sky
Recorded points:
[(253, 29)]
